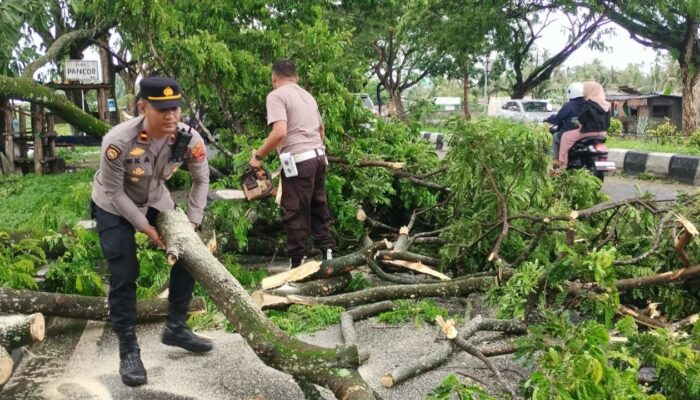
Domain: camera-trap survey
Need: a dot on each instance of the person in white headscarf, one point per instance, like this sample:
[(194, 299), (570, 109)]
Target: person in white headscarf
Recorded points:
[(594, 120)]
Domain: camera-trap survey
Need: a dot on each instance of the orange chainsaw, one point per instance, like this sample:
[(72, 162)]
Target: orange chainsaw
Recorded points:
[(257, 183)]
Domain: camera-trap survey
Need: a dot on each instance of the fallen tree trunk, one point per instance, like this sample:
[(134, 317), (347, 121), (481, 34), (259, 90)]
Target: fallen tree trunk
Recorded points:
[(325, 367), (453, 288), (13, 301), (28, 90), (21, 330)]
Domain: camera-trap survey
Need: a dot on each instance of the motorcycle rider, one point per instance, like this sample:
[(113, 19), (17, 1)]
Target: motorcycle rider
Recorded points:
[(566, 118), (593, 121)]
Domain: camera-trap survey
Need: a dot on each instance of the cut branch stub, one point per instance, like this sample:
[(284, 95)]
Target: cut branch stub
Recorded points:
[(6, 365), (21, 330)]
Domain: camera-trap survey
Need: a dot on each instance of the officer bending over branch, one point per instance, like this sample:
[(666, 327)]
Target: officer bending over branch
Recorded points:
[(128, 193)]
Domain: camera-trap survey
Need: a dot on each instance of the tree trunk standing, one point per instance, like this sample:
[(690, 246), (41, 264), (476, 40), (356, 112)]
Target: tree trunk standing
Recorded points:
[(129, 80), (325, 367), (108, 77), (28, 90), (13, 301), (690, 76), (396, 106), (518, 91)]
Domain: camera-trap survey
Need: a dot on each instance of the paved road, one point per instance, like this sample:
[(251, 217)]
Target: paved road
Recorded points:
[(620, 187)]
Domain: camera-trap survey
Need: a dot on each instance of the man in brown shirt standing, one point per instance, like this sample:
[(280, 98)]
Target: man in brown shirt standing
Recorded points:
[(297, 135), (128, 192)]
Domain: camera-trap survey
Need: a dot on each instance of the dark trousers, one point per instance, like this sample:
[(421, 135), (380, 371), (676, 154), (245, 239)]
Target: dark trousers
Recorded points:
[(119, 248), (305, 207)]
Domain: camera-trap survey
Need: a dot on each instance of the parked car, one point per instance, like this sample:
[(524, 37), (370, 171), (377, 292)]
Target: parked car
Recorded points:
[(526, 110)]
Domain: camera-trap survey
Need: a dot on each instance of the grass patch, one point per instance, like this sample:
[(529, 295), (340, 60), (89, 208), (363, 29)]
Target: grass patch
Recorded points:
[(44, 202), (643, 145), (63, 129), (299, 319), (79, 155), (359, 282), (422, 311)]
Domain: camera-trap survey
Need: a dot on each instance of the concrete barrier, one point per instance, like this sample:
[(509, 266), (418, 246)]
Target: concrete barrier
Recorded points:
[(658, 164), (618, 157)]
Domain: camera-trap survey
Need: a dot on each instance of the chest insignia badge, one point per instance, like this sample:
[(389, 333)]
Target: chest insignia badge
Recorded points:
[(137, 151), (138, 171)]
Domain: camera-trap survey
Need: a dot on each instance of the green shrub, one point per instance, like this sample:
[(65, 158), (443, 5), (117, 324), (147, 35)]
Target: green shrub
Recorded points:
[(451, 387), (615, 128), (664, 133), (694, 139)]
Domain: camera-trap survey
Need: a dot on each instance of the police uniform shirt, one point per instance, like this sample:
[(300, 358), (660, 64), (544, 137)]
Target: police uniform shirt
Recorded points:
[(132, 174)]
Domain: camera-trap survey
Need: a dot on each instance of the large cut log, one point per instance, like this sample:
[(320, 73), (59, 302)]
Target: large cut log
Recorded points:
[(6, 365), (21, 330), (13, 301), (325, 367), (453, 288)]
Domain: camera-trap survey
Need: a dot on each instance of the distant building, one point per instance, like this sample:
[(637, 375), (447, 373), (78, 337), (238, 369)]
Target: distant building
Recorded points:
[(638, 112), (448, 103)]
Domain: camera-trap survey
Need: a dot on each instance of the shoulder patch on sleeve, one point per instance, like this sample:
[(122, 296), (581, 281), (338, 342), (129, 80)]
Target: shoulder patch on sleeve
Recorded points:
[(113, 152), (198, 152)]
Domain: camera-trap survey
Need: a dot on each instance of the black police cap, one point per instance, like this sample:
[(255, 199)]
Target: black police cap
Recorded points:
[(162, 92)]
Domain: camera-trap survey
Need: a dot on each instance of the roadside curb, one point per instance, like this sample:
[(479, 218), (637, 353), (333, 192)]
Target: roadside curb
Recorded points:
[(677, 167)]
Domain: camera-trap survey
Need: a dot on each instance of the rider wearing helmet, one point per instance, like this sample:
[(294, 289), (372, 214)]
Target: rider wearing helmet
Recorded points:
[(565, 119)]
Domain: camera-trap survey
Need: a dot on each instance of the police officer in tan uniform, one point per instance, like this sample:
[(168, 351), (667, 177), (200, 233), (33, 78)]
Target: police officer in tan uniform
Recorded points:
[(297, 135), (128, 192)]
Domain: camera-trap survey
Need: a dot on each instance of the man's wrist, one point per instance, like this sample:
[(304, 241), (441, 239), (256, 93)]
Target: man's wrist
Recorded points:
[(258, 156)]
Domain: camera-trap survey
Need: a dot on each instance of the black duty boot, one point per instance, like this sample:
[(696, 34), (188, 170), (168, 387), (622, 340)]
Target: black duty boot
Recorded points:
[(130, 366), (296, 261), (177, 333)]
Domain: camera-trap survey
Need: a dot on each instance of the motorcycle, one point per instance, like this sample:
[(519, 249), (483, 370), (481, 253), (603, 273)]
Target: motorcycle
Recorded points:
[(591, 154)]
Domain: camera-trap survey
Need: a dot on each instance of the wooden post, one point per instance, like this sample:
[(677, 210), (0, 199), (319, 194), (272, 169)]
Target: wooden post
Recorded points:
[(51, 134), (22, 133), (37, 130), (9, 131)]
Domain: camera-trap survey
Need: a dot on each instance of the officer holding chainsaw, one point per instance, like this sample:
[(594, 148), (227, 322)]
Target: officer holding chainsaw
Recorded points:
[(128, 193), (297, 135)]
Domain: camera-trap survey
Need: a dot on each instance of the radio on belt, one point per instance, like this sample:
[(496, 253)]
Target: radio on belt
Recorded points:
[(289, 166)]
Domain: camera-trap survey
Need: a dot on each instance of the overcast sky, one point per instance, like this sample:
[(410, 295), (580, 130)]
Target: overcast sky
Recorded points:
[(624, 49)]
